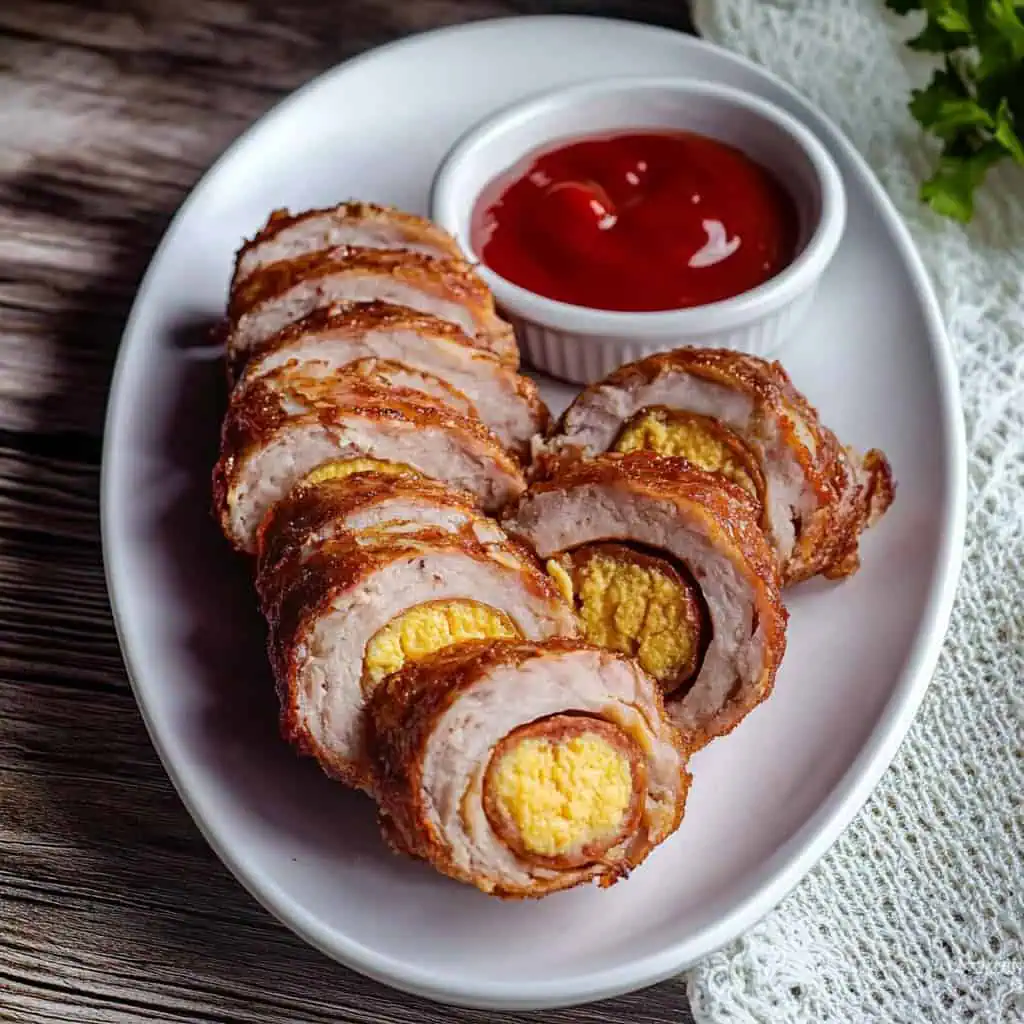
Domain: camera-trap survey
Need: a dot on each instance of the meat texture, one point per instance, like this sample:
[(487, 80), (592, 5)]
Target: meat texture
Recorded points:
[(284, 292), (526, 768), (329, 339), (326, 506), (285, 425), (741, 417), (388, 373), (685, 580), (349, 611), (365, 225)]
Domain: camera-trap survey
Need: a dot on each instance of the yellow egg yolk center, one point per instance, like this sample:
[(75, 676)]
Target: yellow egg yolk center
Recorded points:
[(700, 440), (429, 627), (561, 796), (338, 469), (636, 605)]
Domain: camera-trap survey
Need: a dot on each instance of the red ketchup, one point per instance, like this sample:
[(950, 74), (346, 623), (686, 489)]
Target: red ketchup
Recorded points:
[(641, 221)]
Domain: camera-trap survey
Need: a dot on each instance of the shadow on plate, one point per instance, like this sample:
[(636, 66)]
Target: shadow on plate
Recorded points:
[(226, 634)]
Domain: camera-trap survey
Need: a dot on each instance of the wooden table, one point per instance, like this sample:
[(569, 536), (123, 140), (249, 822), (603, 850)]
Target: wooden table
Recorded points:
[(112, 907)]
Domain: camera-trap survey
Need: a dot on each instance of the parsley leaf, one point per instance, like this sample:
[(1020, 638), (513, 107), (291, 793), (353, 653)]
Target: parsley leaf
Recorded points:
[(950, 190), (974, 103)]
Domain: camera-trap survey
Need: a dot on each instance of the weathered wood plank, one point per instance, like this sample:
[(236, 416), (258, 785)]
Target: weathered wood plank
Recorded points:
[(55, 620)]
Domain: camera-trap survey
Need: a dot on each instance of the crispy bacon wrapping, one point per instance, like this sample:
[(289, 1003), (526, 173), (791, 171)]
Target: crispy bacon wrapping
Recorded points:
[(282, 293), (329, 339), (322, 508), (347, 610), (742, 417), (285, 425), (708, 621), (366, 225), (390, 373), (525, 768)]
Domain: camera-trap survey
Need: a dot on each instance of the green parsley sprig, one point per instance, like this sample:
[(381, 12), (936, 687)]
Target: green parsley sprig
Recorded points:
[(975, 102)]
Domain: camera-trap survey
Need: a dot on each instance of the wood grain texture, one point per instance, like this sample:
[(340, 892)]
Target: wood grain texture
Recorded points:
[(112, 907)]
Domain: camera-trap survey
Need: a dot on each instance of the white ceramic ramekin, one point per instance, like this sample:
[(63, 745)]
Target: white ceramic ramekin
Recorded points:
[(580, 344)]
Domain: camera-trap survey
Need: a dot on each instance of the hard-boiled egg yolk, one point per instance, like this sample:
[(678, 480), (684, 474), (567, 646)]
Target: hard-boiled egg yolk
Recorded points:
[(705, 443), (561, 796), (635, 608), (430, 627), (340, 468)]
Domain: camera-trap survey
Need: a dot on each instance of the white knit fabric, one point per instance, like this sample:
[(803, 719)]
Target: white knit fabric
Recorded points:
[(917, 914)]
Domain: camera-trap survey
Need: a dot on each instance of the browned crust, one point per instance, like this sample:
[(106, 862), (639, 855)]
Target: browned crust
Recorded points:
[(415, 229), (293, 605), (384, 371), (656, 475), (852, 492), (452, 280), (365, 317), (453, 276), (880, 487), (695, 611), (257, 414), (859, 490), (310, 507), (402, 715), (260, 409), (558, 729), (730, 518)]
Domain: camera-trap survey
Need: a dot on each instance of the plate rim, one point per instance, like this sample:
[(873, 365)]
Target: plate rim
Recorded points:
[(780, 874)]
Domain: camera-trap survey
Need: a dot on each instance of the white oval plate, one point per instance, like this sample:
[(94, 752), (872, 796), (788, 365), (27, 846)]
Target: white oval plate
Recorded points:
[(767, 801)]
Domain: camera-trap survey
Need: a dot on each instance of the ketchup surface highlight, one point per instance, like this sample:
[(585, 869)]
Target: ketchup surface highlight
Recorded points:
[(637, 222)]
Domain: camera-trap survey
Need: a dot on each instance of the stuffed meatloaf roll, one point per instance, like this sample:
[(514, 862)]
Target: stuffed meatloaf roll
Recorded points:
[(281, 293), (285, 425), (525, 768), (666, 563), (329, 339), (740, 417), (360, 605), (365, 225)]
